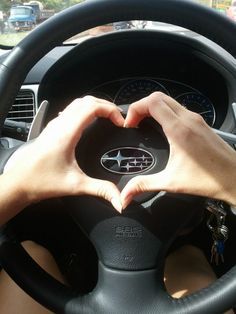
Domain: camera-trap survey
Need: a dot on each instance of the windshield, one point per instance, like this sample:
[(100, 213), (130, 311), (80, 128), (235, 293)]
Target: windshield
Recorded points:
[(19, 18), (19, 11)]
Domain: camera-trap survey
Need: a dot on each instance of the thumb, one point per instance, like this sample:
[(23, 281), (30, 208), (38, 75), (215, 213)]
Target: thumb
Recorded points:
[(141, 184), (104, 189)]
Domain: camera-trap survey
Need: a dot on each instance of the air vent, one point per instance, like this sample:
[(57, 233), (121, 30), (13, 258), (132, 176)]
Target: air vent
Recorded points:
[(24, 107)]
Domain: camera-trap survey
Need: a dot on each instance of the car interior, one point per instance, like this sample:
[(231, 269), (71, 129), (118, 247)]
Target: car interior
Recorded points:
[(102, 254)]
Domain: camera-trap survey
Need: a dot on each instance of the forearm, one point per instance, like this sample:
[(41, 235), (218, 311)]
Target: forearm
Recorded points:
[(13, 197)]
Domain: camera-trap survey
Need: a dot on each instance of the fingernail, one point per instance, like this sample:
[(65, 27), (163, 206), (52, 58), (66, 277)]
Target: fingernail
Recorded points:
[(117, 204), (126, 125), (125, 202)]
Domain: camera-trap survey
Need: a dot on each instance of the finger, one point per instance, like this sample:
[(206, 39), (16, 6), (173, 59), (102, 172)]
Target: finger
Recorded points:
[(104, 189), (100, 108), (81, 112), (97, 107), (173, 104), (137, 112), (139, 185), (157, 105)]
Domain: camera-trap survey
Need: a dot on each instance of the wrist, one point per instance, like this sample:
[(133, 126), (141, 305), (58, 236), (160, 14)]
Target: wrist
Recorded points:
[(13, 196), (225, 184)]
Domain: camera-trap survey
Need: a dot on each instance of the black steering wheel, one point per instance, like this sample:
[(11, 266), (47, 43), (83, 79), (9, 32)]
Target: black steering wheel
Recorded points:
[(131, 247)]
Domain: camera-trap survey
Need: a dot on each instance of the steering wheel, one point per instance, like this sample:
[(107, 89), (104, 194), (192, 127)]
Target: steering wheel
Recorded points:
[(131, 247)]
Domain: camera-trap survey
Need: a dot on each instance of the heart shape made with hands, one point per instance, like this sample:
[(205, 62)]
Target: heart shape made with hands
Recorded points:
[(180, 139), (147, 138), (191, 156)]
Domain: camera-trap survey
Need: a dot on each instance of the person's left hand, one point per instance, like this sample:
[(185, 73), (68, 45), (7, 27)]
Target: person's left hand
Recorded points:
[(48, 167), (200, 162)]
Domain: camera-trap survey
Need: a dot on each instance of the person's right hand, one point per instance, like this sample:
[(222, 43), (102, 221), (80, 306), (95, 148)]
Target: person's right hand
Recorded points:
[(200, 162)]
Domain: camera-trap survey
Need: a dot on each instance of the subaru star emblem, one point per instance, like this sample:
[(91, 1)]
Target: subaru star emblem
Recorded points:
[(127, 160)]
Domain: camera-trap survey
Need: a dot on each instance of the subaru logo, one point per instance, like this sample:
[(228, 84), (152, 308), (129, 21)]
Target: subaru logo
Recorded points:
[(127, 160)]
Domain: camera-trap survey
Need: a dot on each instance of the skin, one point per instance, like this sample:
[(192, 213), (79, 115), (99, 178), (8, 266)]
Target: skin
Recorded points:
[(200, 162), (47, 167)]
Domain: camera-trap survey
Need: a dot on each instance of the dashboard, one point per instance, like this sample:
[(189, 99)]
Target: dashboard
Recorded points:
[(125, 66), (127, 91)]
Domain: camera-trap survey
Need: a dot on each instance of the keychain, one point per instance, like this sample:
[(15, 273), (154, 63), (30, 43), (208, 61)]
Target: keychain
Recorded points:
[(220, 232)]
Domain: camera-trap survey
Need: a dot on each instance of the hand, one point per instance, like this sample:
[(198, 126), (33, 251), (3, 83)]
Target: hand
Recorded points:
[(48, 167), (200, 162)]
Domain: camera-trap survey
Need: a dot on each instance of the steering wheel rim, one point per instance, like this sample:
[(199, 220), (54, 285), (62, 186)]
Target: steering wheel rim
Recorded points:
[(14, 69)]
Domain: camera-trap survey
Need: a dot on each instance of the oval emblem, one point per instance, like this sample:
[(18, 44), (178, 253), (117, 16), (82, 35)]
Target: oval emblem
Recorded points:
[(127, 160)]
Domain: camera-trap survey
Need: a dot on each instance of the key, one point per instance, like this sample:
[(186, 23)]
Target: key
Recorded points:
[(219, 236), (214, 256), (220, 250), (217, 251)]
